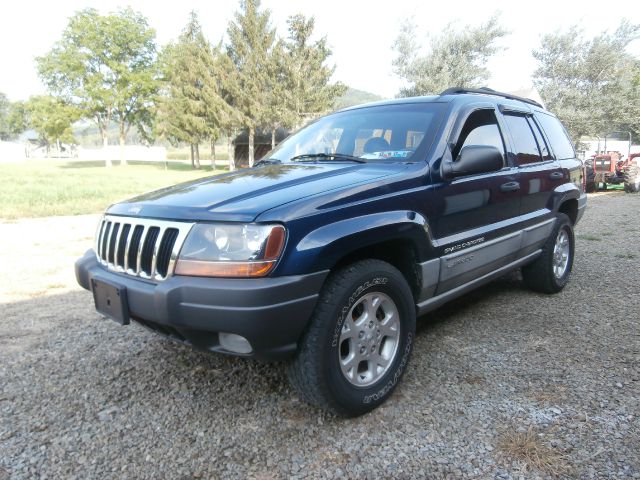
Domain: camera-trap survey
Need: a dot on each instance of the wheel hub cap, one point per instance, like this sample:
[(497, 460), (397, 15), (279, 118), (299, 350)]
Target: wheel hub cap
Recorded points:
[(561, 251), (369, 339)]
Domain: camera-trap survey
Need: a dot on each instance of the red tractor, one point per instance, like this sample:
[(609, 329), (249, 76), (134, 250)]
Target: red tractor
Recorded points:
[(609, 168)]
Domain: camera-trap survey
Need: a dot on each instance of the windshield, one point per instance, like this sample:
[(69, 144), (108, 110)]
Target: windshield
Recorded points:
[(401, 132)]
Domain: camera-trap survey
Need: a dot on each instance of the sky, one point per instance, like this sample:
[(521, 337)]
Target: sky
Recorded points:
[(360, 32)]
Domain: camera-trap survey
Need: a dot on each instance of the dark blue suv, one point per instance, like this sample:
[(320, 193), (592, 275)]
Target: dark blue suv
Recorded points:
[(326, 251)]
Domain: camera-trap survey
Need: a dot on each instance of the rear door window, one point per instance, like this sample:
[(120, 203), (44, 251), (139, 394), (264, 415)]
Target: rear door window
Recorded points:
[(525, 144), (542, 144)]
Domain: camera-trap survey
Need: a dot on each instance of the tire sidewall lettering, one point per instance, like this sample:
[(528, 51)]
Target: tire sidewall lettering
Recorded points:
[(391, 383), (352, 299)]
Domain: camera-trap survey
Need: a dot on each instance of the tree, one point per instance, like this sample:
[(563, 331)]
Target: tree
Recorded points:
[(192, 108), (5, 105), (12, 118), (302, 87), (251, 43), (17, 121), (630, 121), (104, 66), (454, 58), (588, 83), (52, 119), (135, 67)]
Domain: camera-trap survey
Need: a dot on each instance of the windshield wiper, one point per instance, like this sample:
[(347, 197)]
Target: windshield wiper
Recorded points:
[(327, 156)]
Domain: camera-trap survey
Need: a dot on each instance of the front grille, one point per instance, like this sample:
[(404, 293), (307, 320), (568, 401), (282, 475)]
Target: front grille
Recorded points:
[(141, 247)]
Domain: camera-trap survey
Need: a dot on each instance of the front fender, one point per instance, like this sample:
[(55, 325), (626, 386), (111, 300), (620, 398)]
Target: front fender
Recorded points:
[(323, 247)]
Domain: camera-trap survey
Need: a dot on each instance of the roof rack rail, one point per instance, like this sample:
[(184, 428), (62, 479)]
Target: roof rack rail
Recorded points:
[(489, 91)]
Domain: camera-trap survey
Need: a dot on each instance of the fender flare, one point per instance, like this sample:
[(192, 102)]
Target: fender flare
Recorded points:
[(323, 247)]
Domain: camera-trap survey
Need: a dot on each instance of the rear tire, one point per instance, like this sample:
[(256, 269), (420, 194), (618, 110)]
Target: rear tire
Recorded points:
[(359, 339), (550, 272), (632, 179)]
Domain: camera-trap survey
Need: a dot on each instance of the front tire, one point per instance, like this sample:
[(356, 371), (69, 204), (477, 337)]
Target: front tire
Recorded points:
[(550, 272), (359, 339)]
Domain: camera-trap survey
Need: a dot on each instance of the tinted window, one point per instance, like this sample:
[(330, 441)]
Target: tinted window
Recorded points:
[(481, 128), (542, 144), (387, 132), (524, 142), (557, 135)]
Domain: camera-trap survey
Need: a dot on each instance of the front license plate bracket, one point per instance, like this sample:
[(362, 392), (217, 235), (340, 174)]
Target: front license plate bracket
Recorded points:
[(111, 300)]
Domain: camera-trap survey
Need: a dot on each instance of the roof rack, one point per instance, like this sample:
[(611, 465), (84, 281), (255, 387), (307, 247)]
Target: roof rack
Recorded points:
[(489, 91)]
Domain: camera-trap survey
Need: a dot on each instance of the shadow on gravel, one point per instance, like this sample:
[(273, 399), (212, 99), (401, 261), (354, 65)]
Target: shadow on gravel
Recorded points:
[(461, 306)]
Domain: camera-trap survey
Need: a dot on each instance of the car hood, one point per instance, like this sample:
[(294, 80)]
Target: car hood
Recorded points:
[(245, 194)]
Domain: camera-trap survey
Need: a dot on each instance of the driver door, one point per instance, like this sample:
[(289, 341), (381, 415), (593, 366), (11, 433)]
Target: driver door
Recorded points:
[(474, 215)]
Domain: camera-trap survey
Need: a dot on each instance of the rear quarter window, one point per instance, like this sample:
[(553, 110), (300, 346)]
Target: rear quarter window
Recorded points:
[(557, 135)]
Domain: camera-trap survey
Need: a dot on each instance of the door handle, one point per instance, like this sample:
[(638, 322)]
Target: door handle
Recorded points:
[(556, 176), (509, 187)]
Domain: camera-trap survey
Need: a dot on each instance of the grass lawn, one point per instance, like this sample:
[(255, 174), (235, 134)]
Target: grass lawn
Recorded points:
[(38, 188)]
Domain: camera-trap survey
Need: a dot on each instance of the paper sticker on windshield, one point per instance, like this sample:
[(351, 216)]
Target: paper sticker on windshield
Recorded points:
[(387, 154)]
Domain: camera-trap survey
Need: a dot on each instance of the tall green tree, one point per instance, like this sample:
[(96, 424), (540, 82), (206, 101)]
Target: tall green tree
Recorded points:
[(251, 44), (52, 119), (103, 64), (453, 58), (630, 121), (134, 63), (13, 120), (588, 82), (192, 108), (5, 105), (17, 119), (302, 87)]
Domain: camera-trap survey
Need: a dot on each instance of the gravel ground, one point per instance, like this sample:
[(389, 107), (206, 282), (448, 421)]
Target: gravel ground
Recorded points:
[(504, 383)]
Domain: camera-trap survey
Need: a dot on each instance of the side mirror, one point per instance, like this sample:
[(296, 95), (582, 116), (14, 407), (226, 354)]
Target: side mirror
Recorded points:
[(474, 159)]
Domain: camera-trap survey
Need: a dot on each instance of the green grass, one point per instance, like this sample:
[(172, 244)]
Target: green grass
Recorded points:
[(38, 188)]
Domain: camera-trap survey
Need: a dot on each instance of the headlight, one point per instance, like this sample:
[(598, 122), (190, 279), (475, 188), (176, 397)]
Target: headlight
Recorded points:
[(227, 250)]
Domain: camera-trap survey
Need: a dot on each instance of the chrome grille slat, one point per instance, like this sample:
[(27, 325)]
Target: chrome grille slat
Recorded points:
[(156, 247), (103, 242), (116, 231), (117, 236), (122, 241), (99, 233), (132, 229), (143, 238)]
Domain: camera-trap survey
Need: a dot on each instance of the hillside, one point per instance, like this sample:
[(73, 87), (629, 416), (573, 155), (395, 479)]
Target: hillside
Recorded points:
[(354, 96)]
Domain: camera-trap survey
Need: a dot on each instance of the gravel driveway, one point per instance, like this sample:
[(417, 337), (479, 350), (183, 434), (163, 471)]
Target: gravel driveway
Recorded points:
[(503, 383)]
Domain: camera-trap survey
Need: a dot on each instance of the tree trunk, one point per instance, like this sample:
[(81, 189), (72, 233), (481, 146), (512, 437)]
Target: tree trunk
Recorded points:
[(105, 145), (252, 138), (197, 148), (193, 164), (273, 138), (231, 153), (213, 154), (123, 135)]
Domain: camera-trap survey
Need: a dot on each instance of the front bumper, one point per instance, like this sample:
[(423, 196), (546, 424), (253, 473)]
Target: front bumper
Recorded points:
[(270, 312)]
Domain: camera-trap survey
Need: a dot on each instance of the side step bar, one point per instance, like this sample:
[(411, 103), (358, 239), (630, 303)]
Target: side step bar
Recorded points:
[(439, 300)]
